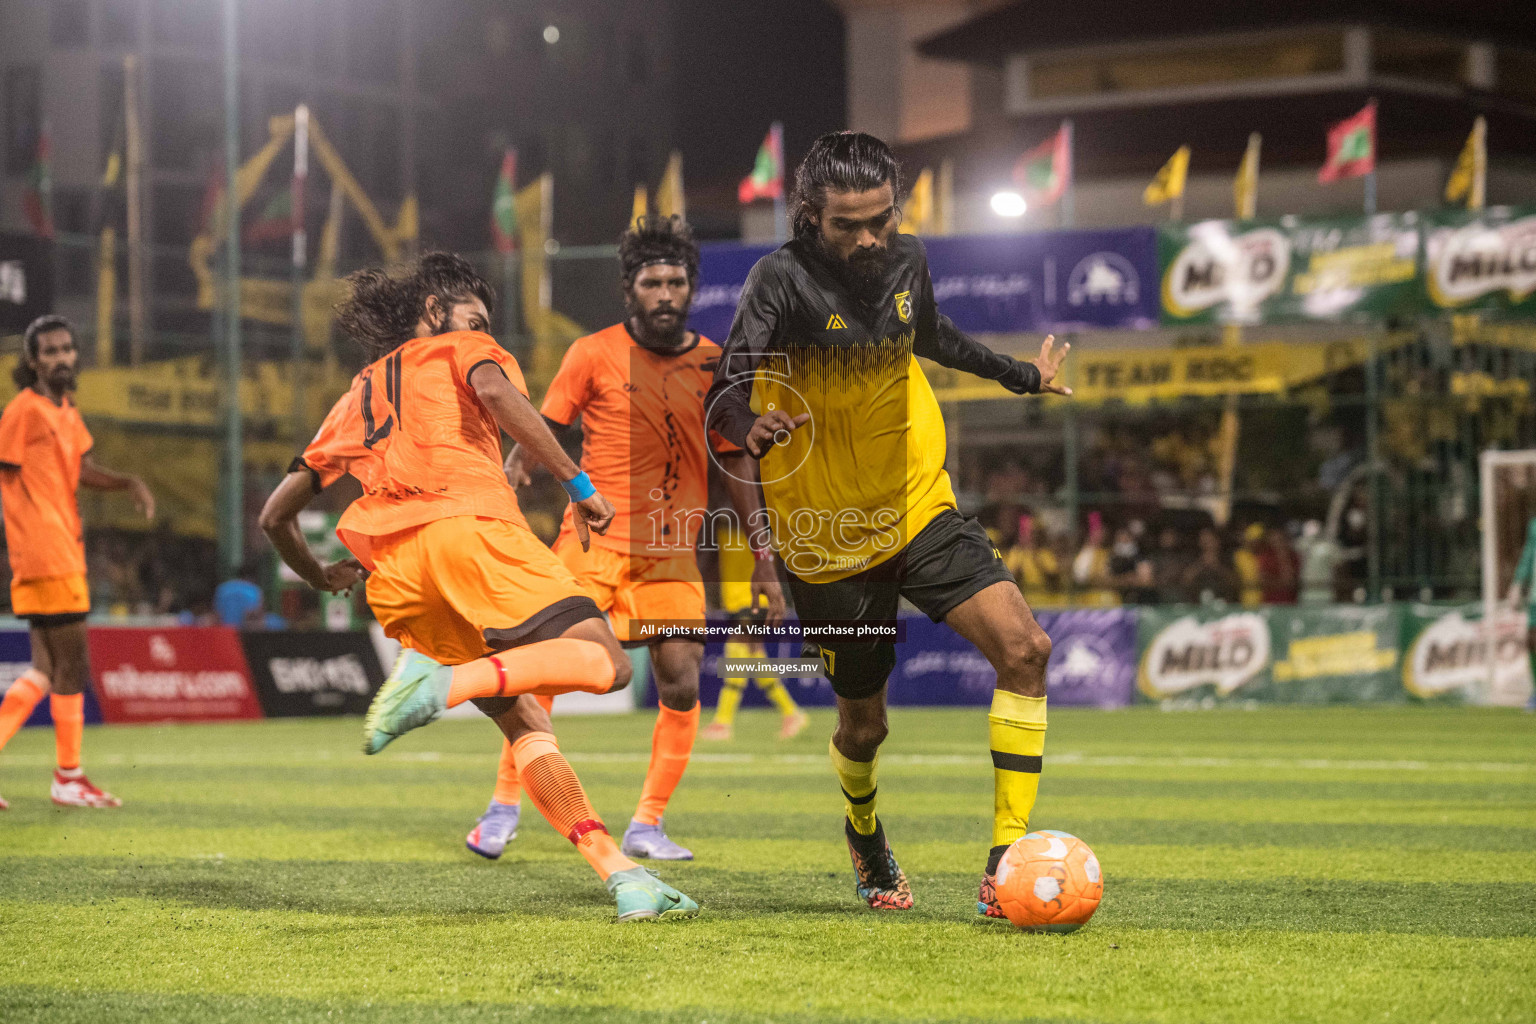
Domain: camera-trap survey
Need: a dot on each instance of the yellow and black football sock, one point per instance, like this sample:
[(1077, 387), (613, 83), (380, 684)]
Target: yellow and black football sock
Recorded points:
[(729, 700), (778, 696), (1016, 729), (858, 781)]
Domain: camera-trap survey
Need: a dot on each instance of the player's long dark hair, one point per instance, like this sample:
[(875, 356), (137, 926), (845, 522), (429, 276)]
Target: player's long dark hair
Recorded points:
[(658, 239), (847, 162), (381, 312), (23, 373)]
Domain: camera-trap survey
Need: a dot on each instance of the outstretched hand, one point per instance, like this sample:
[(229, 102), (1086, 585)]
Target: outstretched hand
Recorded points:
[(1049, 364)]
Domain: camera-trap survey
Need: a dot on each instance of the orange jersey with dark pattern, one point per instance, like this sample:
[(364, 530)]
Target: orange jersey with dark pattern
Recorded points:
[(41, 446), (413, 432), (645, 446)]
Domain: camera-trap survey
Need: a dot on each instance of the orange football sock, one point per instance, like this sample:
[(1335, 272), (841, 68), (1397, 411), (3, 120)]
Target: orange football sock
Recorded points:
[(547, 667), (26, 693), (556, 792), (508, 789), (68, 711), (671, 743)]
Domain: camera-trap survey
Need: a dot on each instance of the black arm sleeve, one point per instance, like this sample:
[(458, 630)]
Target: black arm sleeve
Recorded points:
[(937, 338), (728, 405)]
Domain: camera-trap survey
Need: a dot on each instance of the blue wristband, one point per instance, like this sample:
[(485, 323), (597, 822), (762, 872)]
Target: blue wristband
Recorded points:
[(579, 487)]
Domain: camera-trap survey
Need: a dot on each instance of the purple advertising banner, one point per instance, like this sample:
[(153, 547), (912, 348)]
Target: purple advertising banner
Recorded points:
[(1093, 664), (991, 284), (16, 658)]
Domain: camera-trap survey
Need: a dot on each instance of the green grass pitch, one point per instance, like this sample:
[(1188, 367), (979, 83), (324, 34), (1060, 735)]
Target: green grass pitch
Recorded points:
[(1278, 865)]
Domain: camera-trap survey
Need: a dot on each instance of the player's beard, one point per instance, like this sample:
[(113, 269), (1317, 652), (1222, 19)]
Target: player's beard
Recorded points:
[(656, 331), (864, 269), (62, 379)]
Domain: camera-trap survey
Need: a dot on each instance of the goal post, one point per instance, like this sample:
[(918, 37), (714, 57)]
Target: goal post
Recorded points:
[(1508, 485)]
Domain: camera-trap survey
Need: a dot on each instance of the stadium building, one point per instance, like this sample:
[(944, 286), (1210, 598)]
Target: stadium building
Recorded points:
[(980, 87)]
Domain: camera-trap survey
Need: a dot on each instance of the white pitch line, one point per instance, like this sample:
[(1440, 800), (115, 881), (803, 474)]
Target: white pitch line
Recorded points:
[(1064, 759)]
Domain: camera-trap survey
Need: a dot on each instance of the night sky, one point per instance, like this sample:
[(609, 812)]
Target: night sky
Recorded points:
[(745, 65)]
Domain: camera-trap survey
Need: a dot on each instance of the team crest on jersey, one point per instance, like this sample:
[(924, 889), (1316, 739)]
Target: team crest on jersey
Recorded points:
[(835, 323), (904, 306)]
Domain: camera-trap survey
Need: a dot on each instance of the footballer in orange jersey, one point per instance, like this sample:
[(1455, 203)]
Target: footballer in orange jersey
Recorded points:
[(484, 611), (638, 388), (45, 455)]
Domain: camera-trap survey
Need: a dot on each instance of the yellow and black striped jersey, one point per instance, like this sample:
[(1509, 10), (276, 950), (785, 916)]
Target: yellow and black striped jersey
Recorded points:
[(866, 472)]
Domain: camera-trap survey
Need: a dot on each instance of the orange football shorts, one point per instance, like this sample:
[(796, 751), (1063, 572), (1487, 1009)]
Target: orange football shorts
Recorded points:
[(458, 588), (50, 595), (632, 588)]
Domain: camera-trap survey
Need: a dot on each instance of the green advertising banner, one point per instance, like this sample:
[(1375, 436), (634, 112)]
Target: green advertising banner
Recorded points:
[(1335, 654), (1249, 272), (1481, 261), (1446, 656)]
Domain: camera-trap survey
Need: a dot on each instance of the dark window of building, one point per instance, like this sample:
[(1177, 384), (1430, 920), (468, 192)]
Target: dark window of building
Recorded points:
[(186, 129), (74, 269), (273, 32), (23, 118), (1516, 71), (119, 22), (640, 158), (1418, 55), (638, 64), (72, 210), (178, 213), (367, 137), (374, 36), (620, 152), (69, 23), (111, 107), (191, 23), (329, 39), (579, 152)]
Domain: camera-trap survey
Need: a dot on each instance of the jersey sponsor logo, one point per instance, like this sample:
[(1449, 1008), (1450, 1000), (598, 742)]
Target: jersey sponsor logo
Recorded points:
[(835, 323), (904, 306)]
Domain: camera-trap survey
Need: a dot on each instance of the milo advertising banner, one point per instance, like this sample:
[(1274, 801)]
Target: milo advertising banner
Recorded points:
[(1484, 260), (1248, 272), (1448, 653), (1341, 654)]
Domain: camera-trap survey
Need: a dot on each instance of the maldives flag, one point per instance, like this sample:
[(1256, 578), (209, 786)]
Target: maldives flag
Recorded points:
[(37, 199), (767, 178), (1351, 147), (504, 204), (275, 221), (1044, 172)]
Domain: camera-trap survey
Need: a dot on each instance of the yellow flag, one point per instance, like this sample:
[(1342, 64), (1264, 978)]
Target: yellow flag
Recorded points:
[(669, 194), (917, 214), (1245, 187), (1169, 183), (638, 210), (1468, 180)]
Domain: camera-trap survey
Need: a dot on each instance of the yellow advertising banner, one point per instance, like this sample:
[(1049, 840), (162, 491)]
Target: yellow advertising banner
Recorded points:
[(1142, 375), (181, 394)]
